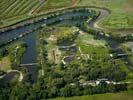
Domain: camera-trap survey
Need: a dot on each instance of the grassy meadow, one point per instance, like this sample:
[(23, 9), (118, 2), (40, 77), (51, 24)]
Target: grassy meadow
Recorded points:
[(108, 96), (121, 12), (5, 64)]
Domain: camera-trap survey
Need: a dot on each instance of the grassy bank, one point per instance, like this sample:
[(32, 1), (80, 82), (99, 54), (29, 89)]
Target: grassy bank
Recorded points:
[(5, 64), (11, 57)]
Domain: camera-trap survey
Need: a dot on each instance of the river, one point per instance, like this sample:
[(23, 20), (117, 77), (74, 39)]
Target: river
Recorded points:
[(30, 39)]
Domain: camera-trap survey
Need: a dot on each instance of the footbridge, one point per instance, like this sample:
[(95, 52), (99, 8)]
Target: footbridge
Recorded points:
[(29, 64)]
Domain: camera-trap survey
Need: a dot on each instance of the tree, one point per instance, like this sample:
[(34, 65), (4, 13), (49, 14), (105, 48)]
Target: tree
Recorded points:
[(53, 92), (3, 52), (66, 91)]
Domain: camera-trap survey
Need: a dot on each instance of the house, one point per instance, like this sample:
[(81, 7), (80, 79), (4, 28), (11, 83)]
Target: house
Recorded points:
[(103, 80)]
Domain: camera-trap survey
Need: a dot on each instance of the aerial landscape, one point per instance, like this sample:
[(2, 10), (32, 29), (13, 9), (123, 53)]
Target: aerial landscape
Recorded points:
[(66, 49)]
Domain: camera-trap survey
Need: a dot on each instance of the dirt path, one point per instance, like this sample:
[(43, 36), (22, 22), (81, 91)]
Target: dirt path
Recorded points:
[(74, 2), (41, 2)]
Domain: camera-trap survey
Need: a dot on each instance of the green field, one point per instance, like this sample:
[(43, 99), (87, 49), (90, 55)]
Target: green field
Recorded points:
[(108, 96), (121, 12), (118, 21), (7, 61), (15, 10), (54, 4), (5, 64)]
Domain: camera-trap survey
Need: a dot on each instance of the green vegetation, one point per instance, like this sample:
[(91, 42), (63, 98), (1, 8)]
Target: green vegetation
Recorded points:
[(92, 47), (127, 49), (70, 62), (52, 4), (108, 96), (60, 76), (16, 10), (11, 55), (121, 12), (5, 64), (116, 21), (15, 53), (13, 8)]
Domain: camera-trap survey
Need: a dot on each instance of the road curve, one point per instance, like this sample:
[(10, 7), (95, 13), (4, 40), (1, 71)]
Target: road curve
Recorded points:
[(103, 14), (12, 73)]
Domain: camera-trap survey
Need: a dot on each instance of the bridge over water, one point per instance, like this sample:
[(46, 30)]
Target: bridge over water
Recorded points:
[(29, 64)]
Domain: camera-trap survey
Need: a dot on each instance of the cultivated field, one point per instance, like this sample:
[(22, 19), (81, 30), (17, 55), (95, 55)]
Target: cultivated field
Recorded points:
[(14, 10)]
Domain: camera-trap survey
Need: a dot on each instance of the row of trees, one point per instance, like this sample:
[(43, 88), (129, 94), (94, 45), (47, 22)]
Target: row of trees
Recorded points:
[(125, 38), (25, 91)]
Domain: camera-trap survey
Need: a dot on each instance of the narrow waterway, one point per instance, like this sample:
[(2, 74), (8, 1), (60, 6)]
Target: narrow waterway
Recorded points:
[(29, 55)]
